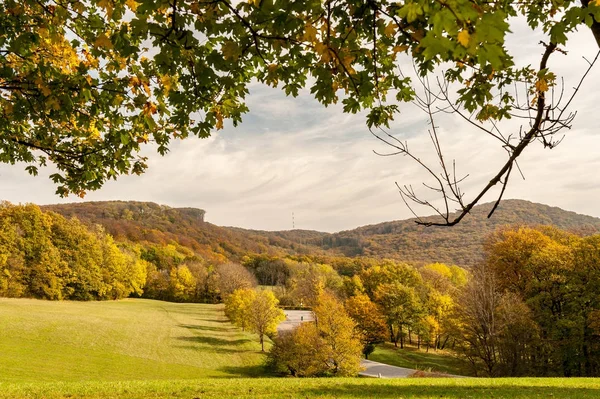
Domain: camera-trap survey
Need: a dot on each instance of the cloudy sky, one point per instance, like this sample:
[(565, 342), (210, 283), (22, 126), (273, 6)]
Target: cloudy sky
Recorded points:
[(294, 155)]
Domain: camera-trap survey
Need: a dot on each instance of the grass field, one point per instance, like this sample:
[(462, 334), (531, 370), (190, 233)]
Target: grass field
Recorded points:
[(136, 349), (132, 339), (325, 388), (413, 358)]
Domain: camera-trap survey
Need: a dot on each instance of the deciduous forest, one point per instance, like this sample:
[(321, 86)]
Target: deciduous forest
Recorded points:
[(526, 304)]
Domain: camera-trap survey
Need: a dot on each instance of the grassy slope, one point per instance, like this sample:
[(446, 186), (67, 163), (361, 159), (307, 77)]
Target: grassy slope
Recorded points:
[(413, 358), (132, 339), (448, 388)]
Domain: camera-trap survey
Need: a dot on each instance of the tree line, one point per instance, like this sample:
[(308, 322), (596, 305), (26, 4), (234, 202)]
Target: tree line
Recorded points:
[(530, 307), (43, 255)]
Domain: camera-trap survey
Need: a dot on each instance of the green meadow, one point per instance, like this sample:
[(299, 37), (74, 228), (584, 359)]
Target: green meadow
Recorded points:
[(138, 348), (132, 339), (325, 388)]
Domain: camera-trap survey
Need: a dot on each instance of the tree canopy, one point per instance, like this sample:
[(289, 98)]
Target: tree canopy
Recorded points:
[(86, 85)]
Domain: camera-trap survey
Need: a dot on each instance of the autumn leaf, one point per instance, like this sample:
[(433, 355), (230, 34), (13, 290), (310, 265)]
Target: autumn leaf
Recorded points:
[(168, 82), (108, 7), (103, 41), (464, 37), (132, 4), (149, 109), (43, 88), (541, 85), (231, 50), (390, 29), (310, 33), (323, 51), (399, 49)]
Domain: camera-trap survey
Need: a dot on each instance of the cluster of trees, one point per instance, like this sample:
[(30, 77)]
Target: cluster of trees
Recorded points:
[(328, 346), (383, 300), (177, 274), (532, 308), (406, 304), (255, 310), (44, 255)]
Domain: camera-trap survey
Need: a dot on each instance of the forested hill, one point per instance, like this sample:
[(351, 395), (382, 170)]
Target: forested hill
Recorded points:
[(403, 240), (159, 224), (460, 244)]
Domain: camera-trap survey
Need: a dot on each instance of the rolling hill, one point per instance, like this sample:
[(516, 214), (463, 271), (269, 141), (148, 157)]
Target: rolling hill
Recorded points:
[(402, 239)]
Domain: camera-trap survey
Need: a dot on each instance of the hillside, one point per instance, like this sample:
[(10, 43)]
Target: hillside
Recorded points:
[(402, 239), (460, 244), (160, 224), (132, 339)]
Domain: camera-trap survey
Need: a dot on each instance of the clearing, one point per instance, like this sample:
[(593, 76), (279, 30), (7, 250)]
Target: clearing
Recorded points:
[(132, 339)]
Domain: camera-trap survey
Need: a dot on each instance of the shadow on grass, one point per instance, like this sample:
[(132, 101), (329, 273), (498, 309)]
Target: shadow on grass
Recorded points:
[(216, 345), (449, 392), (258, 370), (207, 328)]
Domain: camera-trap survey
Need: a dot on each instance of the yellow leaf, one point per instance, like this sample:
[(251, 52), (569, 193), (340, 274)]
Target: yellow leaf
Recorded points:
[(132, 4), (256, 3), (42, 86), (390, 29), (53, 103), (103, 41), (94, 132), (541, 85), (146, 87), (464, 37), (218, 117), (399, 49), (8, 109), (149, 109), (310, 33), (78, 7), (168, 82), (323, 51), (143, 139), (231, 50), (108, 7), (134, 81)]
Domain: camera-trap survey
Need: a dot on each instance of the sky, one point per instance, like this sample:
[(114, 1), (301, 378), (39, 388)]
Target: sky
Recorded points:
[(294, 156)]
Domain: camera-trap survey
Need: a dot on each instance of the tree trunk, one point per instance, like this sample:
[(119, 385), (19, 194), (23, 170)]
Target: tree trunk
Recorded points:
[(400, 331), (595, 28), (262, 343)]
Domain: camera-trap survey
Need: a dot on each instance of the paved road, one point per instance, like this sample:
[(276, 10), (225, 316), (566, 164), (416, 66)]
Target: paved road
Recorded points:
[(374, 369), (293, 318)]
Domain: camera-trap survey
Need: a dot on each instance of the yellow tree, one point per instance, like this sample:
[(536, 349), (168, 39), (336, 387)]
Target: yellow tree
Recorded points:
[(338, 332), (237, 306), (370, 322), (264, 315)]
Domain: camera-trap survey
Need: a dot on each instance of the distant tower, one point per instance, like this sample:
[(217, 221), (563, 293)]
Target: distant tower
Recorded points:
[(293, 222)]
